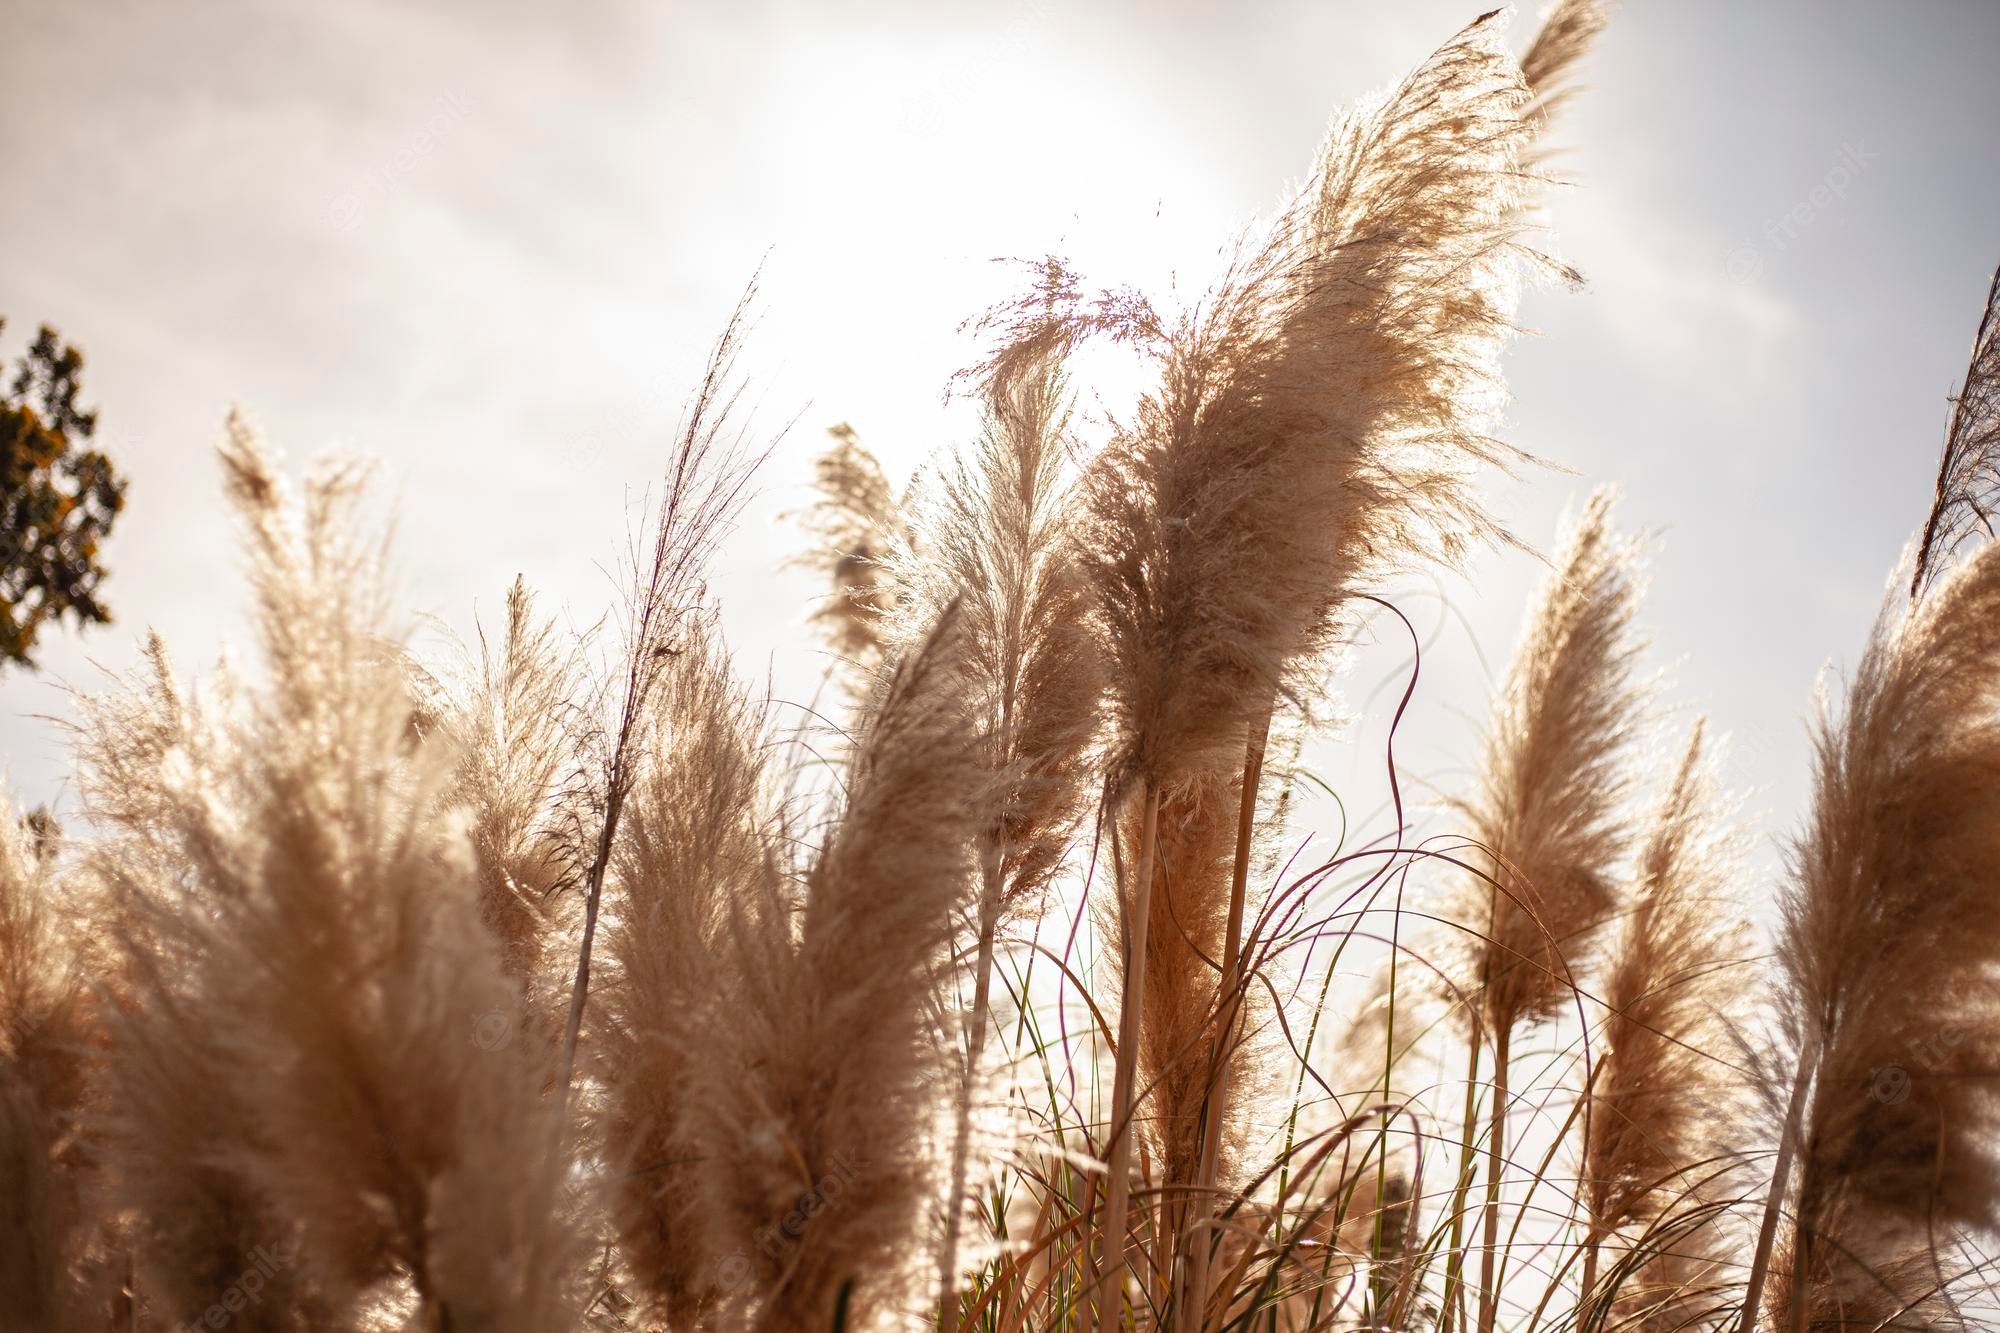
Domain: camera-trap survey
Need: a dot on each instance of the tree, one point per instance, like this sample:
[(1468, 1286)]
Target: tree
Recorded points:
[(57, 500)]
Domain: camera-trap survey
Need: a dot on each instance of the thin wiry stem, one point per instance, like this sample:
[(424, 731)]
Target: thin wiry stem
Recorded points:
[(707, 483), (1454, 1283)]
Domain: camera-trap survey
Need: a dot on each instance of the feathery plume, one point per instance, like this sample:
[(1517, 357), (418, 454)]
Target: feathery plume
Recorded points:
[(997, 555), (1548, 818), (1318, 423), (1548, 812), (315, 1062), (693, 849), (995, 547), (707, 481), (174, 1117), (1969, 471), (811, 1070), (859, 526), (1466, 348), (1568, 30), (46, 1040), (1320, 420), (1660, 1098), (510, 723), (1959, 508), (1884, 978)]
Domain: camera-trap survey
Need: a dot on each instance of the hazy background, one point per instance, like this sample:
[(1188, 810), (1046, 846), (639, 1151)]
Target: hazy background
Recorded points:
[(489, 245)]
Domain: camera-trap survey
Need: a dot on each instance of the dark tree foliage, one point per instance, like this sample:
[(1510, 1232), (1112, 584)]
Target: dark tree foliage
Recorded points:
[(58, 499)]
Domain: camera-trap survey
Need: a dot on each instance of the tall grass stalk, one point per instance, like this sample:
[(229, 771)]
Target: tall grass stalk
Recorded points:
[(1121, 1131), (1201, 1202), (707, 481)]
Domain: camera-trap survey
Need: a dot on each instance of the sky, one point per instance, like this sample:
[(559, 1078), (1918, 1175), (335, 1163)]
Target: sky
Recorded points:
[(488, 246)]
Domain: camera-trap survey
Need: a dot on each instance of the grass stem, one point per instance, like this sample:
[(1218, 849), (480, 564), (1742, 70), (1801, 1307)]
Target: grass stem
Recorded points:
[(1118, 1160)]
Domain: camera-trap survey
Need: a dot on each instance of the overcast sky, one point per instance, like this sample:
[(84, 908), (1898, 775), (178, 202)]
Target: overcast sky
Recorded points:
[(488, 246)]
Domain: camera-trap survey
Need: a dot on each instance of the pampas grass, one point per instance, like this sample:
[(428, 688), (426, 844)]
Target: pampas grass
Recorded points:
[(1317, 424), (1876, 957), (1256, 488), (813, 1070), (694, 858), (858, 524), (1549, 812), (297, 1063), (509, 717), (1896, 1150), (1568, 30), (48, 1267), (995, 556), (1664, 1098), (1548, 819), (704, 487), (1891, 1166), (565, 985)]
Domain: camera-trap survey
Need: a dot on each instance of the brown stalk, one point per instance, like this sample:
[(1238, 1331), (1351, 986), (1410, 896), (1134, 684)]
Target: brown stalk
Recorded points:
[(1496, 1147), (1454, 1283), (1781, 1175), (1111, 1281), (1201, 1204), (975, 1048)]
